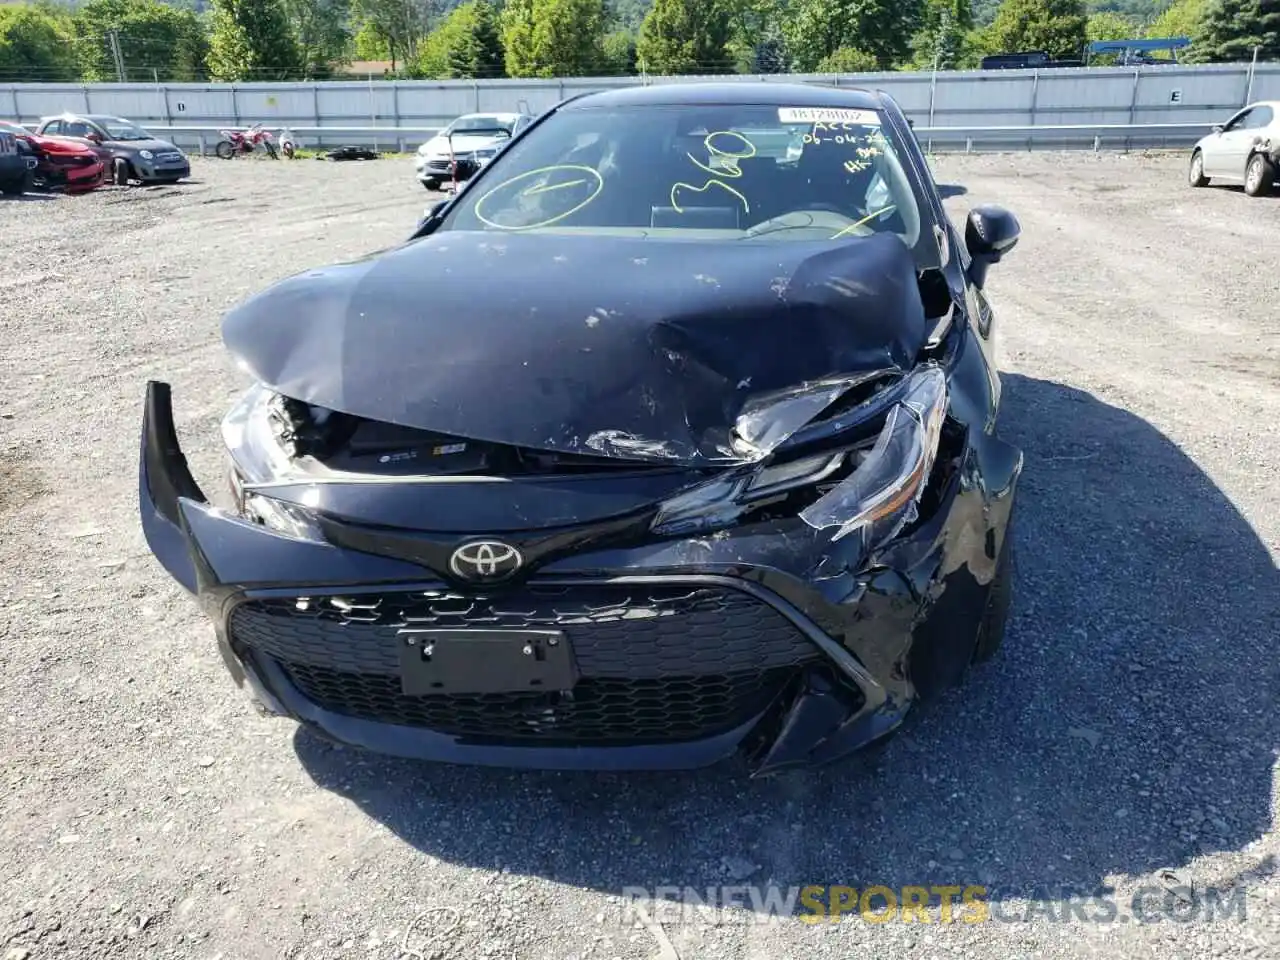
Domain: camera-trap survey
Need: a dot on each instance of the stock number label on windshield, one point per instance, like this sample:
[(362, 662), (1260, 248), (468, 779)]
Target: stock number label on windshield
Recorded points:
[(827, 115)]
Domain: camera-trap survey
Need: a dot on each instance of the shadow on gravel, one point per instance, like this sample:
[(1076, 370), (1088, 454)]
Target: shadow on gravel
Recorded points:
[(1127, 726), (27, 198)]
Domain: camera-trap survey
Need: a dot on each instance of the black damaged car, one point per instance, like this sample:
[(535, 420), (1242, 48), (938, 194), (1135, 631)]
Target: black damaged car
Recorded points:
[(671, 436)]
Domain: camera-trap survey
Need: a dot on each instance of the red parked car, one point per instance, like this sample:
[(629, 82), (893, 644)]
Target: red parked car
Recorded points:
[(61, 164)]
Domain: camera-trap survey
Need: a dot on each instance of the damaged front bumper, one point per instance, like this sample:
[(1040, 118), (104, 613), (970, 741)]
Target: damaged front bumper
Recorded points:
[(688, 651)]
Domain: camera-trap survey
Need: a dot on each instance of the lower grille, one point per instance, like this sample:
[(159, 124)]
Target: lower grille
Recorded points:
[(657, 664), (603, 712)]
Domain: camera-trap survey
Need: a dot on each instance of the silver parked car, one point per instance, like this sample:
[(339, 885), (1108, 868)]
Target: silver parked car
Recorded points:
[(1245, 149)]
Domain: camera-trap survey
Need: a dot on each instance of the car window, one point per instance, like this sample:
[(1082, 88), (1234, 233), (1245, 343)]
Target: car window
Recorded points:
[(1238, 121), (731, 172), (482, 124), (76, 129), (53, 128), (1258, 118)]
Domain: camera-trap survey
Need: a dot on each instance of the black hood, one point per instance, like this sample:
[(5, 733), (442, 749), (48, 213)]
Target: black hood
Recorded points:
[(638, 348)]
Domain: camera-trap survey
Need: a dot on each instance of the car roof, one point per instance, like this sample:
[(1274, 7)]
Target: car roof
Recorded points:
[(500, 114), (95, 117), (740, 92)]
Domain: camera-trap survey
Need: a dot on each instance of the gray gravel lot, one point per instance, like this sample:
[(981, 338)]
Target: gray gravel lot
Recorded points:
[(1128, 728)]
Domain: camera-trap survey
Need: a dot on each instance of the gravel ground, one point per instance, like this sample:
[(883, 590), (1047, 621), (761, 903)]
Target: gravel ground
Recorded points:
[(1125, 738)]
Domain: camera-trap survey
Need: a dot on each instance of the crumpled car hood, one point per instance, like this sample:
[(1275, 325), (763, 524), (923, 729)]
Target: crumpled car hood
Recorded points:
[(645, 349)]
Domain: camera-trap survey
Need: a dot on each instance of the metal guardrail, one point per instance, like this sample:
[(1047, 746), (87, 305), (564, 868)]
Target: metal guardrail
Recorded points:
[(1125, 136), (1096, 136), (366, 136)]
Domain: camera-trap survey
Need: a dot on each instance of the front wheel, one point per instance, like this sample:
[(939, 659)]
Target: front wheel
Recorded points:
[(271, 150), (999, 597), (431, 184), (1259, 176), (225, 149), (1195, 174), (19, 185), (120, 173), (288, 150)]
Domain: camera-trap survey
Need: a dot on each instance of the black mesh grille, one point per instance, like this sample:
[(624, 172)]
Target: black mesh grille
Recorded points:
[(596, 711), (657, 664)]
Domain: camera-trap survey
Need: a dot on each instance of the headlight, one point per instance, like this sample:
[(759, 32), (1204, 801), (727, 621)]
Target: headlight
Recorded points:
[(879, 496), (145, 154), (257, 459), (722, 500)]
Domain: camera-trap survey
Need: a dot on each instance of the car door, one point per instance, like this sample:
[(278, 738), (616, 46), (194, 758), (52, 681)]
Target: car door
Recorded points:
[(79, 129), (1224, 154)]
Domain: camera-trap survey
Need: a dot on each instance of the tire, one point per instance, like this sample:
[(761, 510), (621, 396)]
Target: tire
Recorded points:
[(1195, 172), (120, 173), (288, 150), (996, 617), (18, 186), (432, 185), (225, 150), (271, 150), (1259, 176)]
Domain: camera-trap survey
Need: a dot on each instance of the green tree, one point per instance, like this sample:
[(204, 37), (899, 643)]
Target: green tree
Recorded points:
[(769, 55), (252, 41), (847, 60), (1110, 26), (320, 29), (553, 38), (35, 44), (942, 39), (1055, 26), (816, 29), (395, 25), (755, 30), (152, 36), (1232, 29), (1184, 19), (369, 44), (465, 44), (619, 53), (684, 37)]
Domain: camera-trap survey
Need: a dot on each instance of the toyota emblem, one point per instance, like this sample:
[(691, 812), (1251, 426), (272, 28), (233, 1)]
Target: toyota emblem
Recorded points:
[(485, 560)]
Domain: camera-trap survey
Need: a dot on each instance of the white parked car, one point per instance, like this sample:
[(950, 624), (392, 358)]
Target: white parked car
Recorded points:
[(1245, 149), (469, 142)]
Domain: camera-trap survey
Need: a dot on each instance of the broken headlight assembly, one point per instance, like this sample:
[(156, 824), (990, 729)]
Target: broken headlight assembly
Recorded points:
[(869, 487), (251, 432)]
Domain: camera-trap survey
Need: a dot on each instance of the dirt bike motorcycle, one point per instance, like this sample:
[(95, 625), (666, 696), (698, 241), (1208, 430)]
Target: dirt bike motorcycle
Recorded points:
[(238, 142)]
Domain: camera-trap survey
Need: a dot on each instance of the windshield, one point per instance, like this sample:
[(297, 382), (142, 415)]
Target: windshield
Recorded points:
[(480, 125), (697, 172), (14, 128), (124, 130)]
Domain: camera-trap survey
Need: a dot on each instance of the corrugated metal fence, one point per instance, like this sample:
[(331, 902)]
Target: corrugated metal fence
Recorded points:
[(1107, 95)]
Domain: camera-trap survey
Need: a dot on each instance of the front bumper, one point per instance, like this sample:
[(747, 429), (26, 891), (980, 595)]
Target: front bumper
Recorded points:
[(682, 662)]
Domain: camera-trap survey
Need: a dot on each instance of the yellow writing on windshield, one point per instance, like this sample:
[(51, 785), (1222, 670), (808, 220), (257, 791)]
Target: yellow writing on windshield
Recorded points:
[(572, 186), (864, 221), (725, 148), (728, 159)]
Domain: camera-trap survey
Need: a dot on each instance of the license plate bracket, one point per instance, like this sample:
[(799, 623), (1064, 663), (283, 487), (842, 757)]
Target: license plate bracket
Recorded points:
[(485, 661)]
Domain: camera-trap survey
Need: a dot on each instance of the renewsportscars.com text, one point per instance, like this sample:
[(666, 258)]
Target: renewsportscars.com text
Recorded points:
[(932, 903)]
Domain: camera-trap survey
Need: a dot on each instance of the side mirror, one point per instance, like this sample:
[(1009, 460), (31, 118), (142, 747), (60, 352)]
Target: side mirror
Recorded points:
[(989, 234), (1218, 128), (96, 138)]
